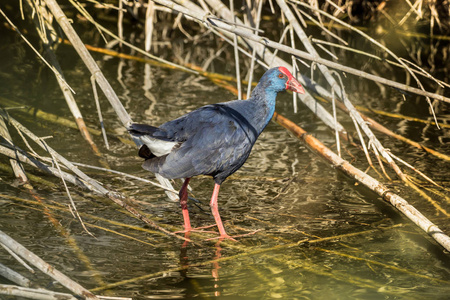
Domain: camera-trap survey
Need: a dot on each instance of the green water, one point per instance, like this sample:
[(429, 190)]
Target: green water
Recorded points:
[(284, 192)]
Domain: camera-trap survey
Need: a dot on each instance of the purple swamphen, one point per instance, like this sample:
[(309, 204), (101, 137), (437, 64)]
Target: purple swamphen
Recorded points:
[(212, 140)]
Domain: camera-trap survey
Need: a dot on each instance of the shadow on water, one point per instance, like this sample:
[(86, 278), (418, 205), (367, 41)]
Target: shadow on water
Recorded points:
[(319, 236)]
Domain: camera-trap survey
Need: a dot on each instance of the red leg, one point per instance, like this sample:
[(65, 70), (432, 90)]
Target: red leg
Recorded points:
[(215, 212), (183, 202)]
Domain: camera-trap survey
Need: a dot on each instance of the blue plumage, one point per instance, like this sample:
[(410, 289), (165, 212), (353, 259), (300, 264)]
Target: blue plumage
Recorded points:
[(215, 139)]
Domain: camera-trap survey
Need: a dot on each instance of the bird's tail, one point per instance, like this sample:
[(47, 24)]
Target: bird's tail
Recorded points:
[(153, 146), (141, 129)]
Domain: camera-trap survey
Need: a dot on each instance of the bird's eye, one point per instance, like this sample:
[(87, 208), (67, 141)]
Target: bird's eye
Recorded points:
[(280, 75)]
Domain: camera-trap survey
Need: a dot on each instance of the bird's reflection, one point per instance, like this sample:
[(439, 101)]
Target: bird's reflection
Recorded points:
[(216, 267), (184, 262)]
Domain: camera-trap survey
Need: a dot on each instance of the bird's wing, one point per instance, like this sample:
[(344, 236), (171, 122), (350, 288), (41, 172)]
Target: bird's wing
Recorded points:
[(213, 140)]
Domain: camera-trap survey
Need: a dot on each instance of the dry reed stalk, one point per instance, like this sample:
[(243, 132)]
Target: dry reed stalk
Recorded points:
[(114, 196), (402, 117), (52, 118), (339, 89), (149, 20), (45, 267), (207, 20), (13, 276), (252, 61), (378, 127), (401, 61), (31, 293), (272, 60), (236, 55), (48, 36), (89, 182), (402, 205), (15, 164), (96, 72), (24, 158), (99, 112)]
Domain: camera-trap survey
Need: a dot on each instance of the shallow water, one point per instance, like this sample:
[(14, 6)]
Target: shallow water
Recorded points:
[(284, 192)]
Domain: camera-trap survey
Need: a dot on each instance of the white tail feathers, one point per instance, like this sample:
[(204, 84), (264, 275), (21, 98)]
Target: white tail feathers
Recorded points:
[(156, 146)]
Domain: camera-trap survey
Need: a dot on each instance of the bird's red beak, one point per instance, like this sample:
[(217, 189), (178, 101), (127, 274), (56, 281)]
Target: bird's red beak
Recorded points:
[(292, 84)]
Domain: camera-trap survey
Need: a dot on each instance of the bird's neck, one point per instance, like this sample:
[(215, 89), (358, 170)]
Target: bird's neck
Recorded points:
[(265, 100)]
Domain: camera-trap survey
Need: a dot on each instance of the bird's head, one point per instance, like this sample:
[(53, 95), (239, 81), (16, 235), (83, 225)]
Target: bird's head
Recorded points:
[(280, 79)]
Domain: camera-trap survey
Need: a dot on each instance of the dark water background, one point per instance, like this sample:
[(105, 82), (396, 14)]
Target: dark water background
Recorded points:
[(283, 190)]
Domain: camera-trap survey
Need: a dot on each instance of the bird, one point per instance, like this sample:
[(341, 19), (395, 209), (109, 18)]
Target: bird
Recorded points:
[(213, 140)]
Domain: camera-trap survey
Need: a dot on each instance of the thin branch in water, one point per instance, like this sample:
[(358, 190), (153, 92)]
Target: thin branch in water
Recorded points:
[(252, 62), (363, 143), (344, 95), (295, 69), (72, 203), (126, 175), (380, 162), (37, 52), (415, 170), (99, 111)]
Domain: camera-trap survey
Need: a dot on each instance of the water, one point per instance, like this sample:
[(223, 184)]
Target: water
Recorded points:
[(284, 192)]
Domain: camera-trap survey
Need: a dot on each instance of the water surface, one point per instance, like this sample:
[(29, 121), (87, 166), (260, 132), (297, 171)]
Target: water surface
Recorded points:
[(318, 234)]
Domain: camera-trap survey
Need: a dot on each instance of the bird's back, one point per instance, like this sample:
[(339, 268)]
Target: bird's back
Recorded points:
[(212, 140)]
